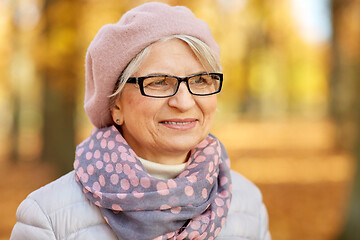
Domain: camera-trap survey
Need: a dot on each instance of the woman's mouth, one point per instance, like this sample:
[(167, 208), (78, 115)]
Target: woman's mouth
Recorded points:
[(179, 124)]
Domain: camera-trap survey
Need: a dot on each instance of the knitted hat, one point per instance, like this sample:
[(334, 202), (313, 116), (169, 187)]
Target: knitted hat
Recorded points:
[(115, 45)]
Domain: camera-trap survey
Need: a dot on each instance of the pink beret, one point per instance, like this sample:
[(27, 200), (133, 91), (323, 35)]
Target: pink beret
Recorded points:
[(115, 45)]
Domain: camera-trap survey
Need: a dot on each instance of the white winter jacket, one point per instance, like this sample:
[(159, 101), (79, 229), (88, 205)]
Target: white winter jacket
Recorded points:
[(60, 211)]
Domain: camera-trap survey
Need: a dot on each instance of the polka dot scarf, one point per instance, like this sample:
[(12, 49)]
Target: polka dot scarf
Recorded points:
[(193, 205)]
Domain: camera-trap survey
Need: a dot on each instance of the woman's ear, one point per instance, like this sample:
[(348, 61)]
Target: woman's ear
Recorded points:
[(117, 115)]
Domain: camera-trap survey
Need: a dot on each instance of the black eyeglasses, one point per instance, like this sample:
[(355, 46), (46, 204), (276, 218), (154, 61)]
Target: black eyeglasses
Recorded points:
[(161, 86)]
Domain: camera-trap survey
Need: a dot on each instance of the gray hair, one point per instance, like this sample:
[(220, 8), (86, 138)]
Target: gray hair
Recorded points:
[(209, 60)]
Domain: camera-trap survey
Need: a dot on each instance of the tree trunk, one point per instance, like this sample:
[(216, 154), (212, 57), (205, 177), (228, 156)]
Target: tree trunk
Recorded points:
[(58, 59), (58, 127), (345, 98), (15, 99)]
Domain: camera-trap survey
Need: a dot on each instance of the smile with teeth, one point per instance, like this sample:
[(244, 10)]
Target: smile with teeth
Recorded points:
[(177, 123)]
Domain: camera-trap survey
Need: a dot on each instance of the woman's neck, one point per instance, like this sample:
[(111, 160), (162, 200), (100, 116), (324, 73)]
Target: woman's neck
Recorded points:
[(167, 159)]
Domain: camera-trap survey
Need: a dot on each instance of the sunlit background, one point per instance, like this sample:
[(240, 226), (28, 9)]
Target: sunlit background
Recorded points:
[(288, 115)]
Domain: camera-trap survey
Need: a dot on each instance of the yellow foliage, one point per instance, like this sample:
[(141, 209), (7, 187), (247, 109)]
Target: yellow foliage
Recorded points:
[(269, 70)]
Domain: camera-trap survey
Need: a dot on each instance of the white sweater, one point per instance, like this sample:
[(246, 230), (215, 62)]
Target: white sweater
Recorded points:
[(60, 211)]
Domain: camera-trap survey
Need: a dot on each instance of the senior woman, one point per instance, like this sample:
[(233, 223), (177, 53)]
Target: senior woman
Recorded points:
[(150, 169)]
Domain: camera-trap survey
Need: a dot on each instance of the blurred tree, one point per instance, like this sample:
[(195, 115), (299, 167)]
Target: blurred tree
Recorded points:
[(17, 76), (266, 74), (345, 98), (57, 57), (15, 126)]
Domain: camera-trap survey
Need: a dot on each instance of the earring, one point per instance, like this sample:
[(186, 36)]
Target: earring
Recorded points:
[(117, 121)]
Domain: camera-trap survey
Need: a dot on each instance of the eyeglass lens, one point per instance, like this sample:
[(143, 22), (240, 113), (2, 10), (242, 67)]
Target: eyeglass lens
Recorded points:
[(166, 85)]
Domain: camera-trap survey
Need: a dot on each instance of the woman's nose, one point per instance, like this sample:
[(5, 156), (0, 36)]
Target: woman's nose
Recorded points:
[(183, 99)]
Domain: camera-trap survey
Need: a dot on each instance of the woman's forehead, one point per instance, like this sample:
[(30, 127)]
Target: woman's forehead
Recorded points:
[(173, 57)]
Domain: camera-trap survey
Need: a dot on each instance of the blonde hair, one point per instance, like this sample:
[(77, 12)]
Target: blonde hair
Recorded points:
[(207, 57)]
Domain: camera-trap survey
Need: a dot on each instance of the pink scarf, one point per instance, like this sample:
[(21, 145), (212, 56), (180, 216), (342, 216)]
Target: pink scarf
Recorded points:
[(193, 205)]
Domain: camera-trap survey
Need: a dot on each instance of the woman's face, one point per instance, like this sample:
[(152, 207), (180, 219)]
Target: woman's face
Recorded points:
[(164, 130)]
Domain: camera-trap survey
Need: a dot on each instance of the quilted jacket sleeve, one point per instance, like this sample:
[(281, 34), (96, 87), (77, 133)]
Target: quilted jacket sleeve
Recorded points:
[(60, 210), (264, 224), (247, 218), (32, 223)]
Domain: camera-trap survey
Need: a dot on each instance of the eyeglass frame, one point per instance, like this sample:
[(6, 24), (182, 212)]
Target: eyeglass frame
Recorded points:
[(140, 80)]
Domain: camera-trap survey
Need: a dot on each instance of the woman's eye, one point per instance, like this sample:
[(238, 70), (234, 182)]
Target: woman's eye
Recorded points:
[(199, 80), (159, 83), (202, 81)]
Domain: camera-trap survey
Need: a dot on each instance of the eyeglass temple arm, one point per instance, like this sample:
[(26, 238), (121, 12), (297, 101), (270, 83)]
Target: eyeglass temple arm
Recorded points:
[(133, 80)]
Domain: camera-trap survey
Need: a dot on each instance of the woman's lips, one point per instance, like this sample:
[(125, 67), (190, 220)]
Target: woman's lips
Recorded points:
[(179, 124)]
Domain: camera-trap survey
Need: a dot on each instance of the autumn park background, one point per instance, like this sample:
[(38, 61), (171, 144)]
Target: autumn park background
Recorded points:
[(289, 113)]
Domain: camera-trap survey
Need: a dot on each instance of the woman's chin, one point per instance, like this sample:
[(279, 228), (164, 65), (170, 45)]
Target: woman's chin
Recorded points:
[(181, 143)]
